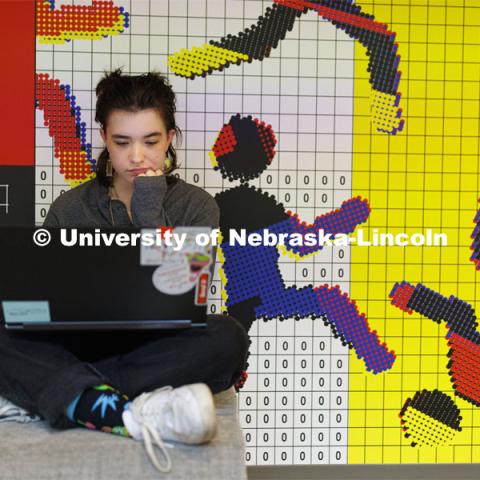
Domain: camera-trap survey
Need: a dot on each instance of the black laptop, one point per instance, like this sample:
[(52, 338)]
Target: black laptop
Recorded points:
[(101, 279)]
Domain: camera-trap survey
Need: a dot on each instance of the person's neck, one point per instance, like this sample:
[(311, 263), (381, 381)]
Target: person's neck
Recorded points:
[(123, 191)]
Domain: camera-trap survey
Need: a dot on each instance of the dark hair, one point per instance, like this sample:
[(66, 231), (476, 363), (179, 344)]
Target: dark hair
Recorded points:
[(133, 93)]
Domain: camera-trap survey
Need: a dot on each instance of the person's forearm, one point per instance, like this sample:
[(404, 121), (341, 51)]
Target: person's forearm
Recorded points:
[(147, 202)]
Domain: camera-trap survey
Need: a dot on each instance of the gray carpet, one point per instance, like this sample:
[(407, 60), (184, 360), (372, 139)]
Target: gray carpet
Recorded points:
[(35, 451)]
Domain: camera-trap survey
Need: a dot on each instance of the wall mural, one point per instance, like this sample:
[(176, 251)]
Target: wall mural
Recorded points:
[(355, 118)]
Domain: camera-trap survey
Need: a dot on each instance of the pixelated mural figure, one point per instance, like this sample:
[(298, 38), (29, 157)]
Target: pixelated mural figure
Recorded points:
[(253, 283), (259, 210), (257, 42), (462, 335)]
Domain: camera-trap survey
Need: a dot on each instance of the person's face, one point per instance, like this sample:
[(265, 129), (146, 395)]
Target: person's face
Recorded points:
[(136, 142)]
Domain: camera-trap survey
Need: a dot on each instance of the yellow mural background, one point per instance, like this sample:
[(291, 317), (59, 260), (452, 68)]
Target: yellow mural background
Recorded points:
[(424, 177)]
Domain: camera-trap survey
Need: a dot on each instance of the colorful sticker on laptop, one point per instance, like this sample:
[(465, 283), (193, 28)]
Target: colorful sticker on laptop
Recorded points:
[(201, 290), (179, 265), (179, 273), (173, 278)]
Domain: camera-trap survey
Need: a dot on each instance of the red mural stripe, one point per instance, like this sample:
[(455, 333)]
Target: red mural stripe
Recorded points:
[(17, 87)]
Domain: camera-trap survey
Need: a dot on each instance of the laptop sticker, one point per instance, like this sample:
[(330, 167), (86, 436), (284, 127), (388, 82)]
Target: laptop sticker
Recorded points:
[(179, 259), (201, 291), (173, 277), (179, 273), (34, 311)]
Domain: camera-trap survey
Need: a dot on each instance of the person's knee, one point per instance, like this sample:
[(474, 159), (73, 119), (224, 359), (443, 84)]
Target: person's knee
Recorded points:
[(232, 337)]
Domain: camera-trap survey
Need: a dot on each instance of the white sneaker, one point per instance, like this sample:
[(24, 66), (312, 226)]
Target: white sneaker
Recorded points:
[(186, 414), (9, 412)]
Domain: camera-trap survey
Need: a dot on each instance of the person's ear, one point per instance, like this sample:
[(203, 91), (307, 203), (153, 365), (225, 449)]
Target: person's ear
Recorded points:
[(103, 135), (171, 136)]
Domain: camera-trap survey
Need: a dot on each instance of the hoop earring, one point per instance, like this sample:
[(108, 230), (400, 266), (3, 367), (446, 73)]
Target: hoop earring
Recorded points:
[(109, 169)]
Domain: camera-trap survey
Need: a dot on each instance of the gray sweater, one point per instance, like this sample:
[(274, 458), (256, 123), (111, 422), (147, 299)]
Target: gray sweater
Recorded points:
[(163, 200)]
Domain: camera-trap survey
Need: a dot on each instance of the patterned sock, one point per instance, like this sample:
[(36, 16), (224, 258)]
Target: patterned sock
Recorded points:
[(100, 408)]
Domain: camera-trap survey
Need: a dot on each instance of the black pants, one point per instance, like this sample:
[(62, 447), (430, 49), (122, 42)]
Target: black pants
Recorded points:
[(43, 373)]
